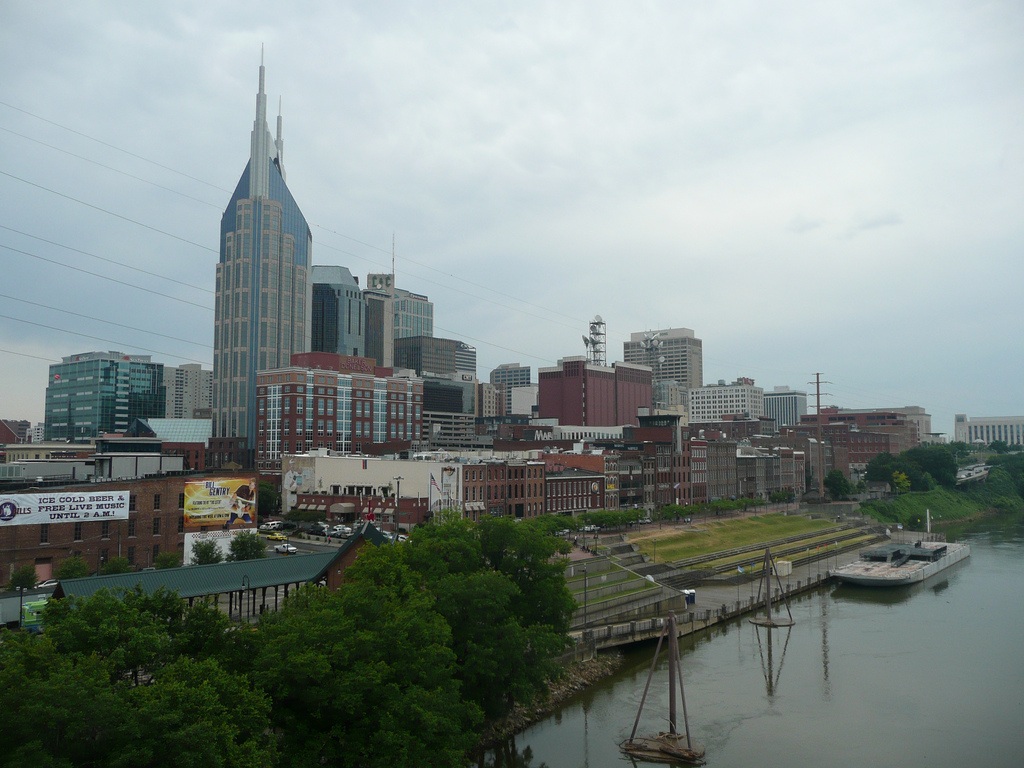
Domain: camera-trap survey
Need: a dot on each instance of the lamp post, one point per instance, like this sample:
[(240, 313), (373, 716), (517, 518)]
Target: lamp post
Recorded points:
[(398, 502), (245, 587)]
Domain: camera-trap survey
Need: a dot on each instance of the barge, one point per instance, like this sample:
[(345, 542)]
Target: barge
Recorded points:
[(896, 565)]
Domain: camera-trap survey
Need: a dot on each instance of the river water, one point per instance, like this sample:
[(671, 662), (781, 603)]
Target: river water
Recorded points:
[(930, 675)]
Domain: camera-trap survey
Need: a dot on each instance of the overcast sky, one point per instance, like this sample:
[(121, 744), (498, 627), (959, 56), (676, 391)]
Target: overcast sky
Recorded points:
[(832, 187)]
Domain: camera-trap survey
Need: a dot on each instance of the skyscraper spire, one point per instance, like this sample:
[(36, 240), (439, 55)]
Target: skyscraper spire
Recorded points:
[(259, 155), (279, 142)]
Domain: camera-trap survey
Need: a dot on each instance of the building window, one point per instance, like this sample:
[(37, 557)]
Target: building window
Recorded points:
[(44, 533), (156, 553), (131, 502), (105, 529), (181, 501), (78, 532), (181, 523), (156, 501), (131, 555), (131, 526), (156, 526)]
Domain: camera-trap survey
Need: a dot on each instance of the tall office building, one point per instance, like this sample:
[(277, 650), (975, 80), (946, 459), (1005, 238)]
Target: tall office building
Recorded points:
[(339, 312), (579, 393), (465, 358), (94, 393), (427, 354), (785, 405), (264, 303), (189, 391), (672, 354), (393, 313), (507, 377), (741, 398)]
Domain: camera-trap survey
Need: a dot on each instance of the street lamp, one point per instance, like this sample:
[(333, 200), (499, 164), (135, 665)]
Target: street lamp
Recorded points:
[(398, 503), (245, 586)]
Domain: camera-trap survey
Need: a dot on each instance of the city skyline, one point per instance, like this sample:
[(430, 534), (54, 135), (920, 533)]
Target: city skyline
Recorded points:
[(807, 189)]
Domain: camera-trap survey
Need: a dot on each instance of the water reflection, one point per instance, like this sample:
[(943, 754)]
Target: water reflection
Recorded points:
[(771, 677)]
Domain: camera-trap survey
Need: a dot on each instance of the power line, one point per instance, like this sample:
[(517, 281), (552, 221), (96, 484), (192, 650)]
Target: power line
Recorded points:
[(104, 258), (110, 168), (107, 341), (108, 322), (104, 277), (104, 210), (111, 146), (34, 357)]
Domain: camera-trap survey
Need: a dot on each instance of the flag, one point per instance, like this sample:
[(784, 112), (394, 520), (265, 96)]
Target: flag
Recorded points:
[(739, 568), (433, 483)]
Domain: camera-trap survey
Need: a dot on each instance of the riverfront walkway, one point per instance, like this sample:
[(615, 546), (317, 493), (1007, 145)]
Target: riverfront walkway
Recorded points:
[(623, 599)]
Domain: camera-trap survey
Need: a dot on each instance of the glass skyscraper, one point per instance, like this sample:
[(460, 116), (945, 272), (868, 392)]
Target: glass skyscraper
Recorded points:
[(99, 392), (264, 303)]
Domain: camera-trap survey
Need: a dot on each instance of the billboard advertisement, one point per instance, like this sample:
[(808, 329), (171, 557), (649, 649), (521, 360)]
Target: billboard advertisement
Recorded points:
[(62, 507), (228, 503)]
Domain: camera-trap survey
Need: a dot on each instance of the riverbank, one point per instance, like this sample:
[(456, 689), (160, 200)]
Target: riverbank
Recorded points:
[(577, 676)]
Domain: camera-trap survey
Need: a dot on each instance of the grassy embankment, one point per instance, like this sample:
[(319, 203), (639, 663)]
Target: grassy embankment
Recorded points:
[(998, 494), (705, 537)]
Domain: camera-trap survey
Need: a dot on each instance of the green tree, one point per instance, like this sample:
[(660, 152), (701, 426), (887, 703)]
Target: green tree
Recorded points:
[(206, 553), (999, 446), (937, 461), (268, 500), (167, 560), (900, 482), (247, 545), (196, 713), (116, 565), (837, 484), (59, 709), (366, 676), (73, 567), (117, 628), (23, 576)]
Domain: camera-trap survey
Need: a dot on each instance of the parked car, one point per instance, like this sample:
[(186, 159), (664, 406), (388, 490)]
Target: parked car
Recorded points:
[(591, 528), (276, 536), (273, 525), (285, 549), (343, 530), (48, 584)]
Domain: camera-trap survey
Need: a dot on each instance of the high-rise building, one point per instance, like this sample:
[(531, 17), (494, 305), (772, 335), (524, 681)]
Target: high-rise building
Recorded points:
[(337, 402), (189, 391), (264, 304), (672, 354), (427, 354), (465, 358), (339, 312), (741, 398), (393, 313), (94, 393), (507, 377), (580, 393), (785, 405)]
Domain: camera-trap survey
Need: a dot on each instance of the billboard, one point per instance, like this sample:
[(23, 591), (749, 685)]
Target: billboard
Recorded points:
[(62, 507), (228, 503)]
